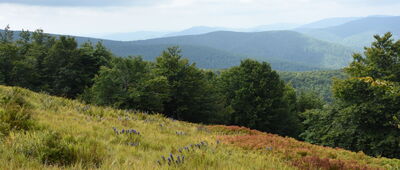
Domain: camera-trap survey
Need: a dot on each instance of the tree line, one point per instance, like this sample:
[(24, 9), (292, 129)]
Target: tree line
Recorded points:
[(251, 94), (364, 115)]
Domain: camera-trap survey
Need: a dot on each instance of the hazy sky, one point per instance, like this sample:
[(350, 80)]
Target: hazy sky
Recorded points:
[(80, 17)]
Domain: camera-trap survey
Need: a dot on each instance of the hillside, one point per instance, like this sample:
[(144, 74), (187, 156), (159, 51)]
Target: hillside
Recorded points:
[(56, 133), (328, 22), (286, 46), (357, 33), (195, 31), (131, 36), (319, 82), (284, 50)]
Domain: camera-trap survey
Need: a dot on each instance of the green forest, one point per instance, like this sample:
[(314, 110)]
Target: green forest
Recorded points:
[(361, 113), (317, 82)]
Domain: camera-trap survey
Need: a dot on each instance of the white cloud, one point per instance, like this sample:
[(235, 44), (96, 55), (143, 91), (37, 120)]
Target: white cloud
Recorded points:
[(180, 14), (82, 3)]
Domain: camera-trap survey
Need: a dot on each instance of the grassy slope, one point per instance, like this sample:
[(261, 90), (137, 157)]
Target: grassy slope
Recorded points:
[(91, 129)]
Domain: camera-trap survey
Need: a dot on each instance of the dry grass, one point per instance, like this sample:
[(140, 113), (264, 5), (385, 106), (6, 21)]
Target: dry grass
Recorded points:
[(67, 134)]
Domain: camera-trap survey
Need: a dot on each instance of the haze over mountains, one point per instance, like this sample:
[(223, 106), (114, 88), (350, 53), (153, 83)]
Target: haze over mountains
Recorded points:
[(357, 33), (196, 30), (325, 44)]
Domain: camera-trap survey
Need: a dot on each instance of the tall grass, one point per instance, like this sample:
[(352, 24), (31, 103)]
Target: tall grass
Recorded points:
[(59, 133)]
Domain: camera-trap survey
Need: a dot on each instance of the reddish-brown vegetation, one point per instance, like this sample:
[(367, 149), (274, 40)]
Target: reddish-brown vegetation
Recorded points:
[(300, 154), (313, 162), (231, 130)]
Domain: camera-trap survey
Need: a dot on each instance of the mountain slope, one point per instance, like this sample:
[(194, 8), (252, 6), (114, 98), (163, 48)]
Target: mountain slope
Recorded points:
[(357, 33), (319, 82), (67, 134), (286, 46), (195, 31), (285, 50), (131, 36), (329, 22), (272, 27)]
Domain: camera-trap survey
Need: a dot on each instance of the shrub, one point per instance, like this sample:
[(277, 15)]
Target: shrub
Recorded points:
[(47, 147), (313, 162), (50, 148), (15, 112)]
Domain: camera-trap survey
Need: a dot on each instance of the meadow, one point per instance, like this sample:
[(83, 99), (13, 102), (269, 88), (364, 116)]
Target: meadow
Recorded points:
[(39, 131)]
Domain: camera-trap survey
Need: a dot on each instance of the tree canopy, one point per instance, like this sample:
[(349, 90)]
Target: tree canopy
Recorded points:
[(256, 95), (365, 116)]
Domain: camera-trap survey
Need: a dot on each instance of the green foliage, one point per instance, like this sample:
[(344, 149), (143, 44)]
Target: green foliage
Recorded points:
[(258, 98), (15, 112), (6, 36), (129, 83), (190, 93), (366, 113), (43, 63), (69, 69), (316, 124), (170, 86), (319, 82), (8, 53), (381, 60), (309, 100)]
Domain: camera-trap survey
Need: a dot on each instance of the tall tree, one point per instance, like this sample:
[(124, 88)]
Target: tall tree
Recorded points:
[(189, 97), (258, 98), (128, 83), (381, 61), (8, 55), (366, 112), (69, 69), (7, 35)]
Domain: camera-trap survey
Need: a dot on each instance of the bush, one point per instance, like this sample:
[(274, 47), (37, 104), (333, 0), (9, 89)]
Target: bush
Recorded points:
[(15, 112), (50, 148), (47, 147)]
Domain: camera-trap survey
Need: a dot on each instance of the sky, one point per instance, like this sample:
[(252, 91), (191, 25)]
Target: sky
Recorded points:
[(83, 17)]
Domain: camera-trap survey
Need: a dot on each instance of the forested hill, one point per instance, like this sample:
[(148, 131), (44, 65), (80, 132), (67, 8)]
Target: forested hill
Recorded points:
[(364, 115), (286, 46), (285, 50), (359, 32), (318, 82)]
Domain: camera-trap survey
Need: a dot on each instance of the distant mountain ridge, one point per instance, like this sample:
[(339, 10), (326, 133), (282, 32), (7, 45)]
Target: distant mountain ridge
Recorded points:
[(357, 33), (285, 50), (318, 29), (329, 22), (195, 31), (286, 46)]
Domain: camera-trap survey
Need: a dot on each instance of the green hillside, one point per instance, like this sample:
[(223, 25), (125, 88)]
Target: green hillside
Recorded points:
[(285, 50), (47, 132), (286, 46), (319, 82)]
